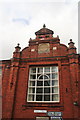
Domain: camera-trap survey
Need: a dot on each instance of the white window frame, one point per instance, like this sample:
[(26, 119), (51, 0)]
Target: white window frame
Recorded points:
[(35, 86)]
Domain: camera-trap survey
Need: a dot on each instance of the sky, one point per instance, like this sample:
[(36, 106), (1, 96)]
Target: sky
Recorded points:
[(20, 19)]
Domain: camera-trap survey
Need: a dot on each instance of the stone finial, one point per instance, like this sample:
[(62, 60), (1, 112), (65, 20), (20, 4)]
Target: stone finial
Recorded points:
[(72, 48), (30, 39), (18, 44), (17, 48), (71, 44), (44, 26), (70, 40), (57, 36)]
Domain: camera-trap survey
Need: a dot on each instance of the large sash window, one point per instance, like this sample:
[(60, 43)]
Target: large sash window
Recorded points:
[(43, 84)]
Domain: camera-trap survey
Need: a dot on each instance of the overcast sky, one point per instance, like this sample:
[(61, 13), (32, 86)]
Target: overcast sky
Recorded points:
[(20, 19)]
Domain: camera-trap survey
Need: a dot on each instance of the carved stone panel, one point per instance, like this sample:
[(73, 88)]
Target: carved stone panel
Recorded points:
[(44, 48)]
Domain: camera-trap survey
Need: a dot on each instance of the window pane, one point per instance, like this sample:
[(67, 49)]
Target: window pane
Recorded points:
[(47, 69), (45, 77), (38, 75), (54, 82), (32, 83), (54, 76), (46, 90), (40, 70), (55, 98), (39, 83), (38, 97), (55, 90), (41, 77), (54, 69), (31, 90), (49, 76), (46, 97), (33, 70), (39, 90), (47, 83), (31, 98), (32, 76)]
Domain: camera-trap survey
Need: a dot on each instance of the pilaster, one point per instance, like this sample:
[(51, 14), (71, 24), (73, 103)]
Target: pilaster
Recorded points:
[(11, 89)]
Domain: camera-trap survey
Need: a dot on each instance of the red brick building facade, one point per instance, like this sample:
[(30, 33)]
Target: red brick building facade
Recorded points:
[(42, 82)]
